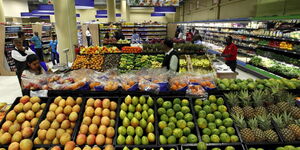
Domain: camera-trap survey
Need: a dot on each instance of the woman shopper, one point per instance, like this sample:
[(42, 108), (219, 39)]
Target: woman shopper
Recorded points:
[(19, 55), (38, 46), (32, 67), (189, 36), (171, 60)]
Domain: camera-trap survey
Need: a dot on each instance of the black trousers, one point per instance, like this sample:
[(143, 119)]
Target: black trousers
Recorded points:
[(39, 53), (88, 40), (232, 64)]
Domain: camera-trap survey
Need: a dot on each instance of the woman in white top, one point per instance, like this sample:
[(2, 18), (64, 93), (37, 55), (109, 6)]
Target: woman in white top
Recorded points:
[(33, 67), (88, 37)]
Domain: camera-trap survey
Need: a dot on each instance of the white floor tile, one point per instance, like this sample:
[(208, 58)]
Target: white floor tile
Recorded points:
[(9, 89)]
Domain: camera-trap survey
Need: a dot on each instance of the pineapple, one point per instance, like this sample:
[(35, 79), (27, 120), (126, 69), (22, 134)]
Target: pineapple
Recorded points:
[(247, 108), (266, 126), (233, 101), (257, 97), (270, 99), (258, 133), (286, 100), (295, 112), (287, 134), (246, 133), (295, 128)]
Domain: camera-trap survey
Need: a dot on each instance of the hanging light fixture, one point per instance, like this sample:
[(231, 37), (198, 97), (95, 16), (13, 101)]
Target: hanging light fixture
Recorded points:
[(158, 14), (84, 4), (39, 13)]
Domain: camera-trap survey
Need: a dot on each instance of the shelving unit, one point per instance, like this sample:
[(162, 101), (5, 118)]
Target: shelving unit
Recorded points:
[(274, 37)]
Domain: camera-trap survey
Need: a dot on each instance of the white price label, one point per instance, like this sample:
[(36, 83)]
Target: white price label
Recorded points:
[(40, 93)]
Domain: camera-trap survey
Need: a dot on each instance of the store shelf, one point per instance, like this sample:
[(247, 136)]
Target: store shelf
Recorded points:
[(145, 30), (278, 50)]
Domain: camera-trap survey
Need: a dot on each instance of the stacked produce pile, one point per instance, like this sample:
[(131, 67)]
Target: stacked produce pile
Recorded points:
[(99, 50), (189, 48), (88, 62), (176, 124), (20, 122), (198, 64), (253, 114), (156, 148), (276, 67), (123, 41), (58, 126), (111, 61), (278, 57), (214, 121), (3, 108), (136, 121), (153, 48), (136, 62), (98, 124), (250, 84), (129, 49)]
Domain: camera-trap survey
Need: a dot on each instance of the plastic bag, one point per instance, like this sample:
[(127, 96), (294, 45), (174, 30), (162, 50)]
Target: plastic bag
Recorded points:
[(179, 83), (161, 77), (195, 90), (129, 82), (148, 86), (106, 81)]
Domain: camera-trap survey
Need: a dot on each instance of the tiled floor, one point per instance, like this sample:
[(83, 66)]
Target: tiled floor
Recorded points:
[(10, 88)]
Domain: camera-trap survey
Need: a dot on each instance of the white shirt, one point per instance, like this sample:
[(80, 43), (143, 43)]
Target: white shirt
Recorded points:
[(88, 33), (17, 56), (173, 61), (28, 74)]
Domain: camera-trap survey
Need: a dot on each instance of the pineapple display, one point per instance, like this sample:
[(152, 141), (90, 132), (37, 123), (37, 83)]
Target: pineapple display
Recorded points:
[(258, 133), (234, 102), (258, 102), (246, 133), (295, 127), (270, 101), (264, 123), (246, 102), (282, 121), (286, 101)]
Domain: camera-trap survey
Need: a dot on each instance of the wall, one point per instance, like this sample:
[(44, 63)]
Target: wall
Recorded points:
[(278, 7), (13, 8)]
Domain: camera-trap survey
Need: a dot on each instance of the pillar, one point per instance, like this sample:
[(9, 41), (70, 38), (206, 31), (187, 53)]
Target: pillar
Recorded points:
[(66, 28), (111, 10), (2, 17), (125, 10)]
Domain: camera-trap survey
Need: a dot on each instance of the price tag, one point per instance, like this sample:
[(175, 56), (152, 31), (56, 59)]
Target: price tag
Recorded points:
[(40, 93)]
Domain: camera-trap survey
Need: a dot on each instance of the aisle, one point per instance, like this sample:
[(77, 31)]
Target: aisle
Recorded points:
[(9, 88), (244, 75)]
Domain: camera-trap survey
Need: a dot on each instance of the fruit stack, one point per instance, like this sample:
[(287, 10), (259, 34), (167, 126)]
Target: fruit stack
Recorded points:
[(214, 121), (204, 146), (20, 122), (158, 148), (286, 147), (137, 116), (88, 62), (72, 146), (60, 121), (176, 122), (98, 123)]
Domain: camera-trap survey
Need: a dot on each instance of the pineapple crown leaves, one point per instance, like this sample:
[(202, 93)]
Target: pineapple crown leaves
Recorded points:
[(290, 99), (257, 97), (264, 122), (253, 123), (287, 118), (297, 122), (279, 121), (239, 121), (232, 99), (245, 98)]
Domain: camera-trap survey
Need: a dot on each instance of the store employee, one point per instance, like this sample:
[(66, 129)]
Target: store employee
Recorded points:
[(230, 54), (171, 60)]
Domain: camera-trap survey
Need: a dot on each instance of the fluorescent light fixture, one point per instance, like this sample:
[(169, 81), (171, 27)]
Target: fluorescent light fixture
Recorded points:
[(46, 8), (158, 14), (38, 13), (27, 15)]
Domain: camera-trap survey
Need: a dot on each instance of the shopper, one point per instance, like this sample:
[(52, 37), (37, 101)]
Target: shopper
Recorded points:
[(37, 45), (88, 37), (135, 38), (19, 55), (32, 67), (22, 36), (79, 35), (189, 36), (171, 60), (54, 53), (197, 39), (119, 35), (230, 53), (194, 31)]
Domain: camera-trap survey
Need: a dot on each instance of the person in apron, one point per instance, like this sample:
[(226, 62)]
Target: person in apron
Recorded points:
[(171, 61), (19, 55)]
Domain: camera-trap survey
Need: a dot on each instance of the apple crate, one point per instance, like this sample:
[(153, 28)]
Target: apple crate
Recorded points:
[(82, 122), (44, 101)]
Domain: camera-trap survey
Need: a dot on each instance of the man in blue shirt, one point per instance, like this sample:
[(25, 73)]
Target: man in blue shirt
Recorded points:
[(38, 46), (54, 54), (135, 38)]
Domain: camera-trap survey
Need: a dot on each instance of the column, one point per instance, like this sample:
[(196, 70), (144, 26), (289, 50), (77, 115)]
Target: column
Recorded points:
[(66, 28), (111, 10), (125, 10), (4, 68)]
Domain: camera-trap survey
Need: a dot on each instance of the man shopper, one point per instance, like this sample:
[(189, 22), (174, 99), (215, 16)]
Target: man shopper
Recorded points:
[(38, 46), (88, 37), (230, 53), (54, 53)]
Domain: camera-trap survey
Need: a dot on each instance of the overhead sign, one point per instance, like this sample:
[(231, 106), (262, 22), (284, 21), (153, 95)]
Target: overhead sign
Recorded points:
[(143, 3)]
